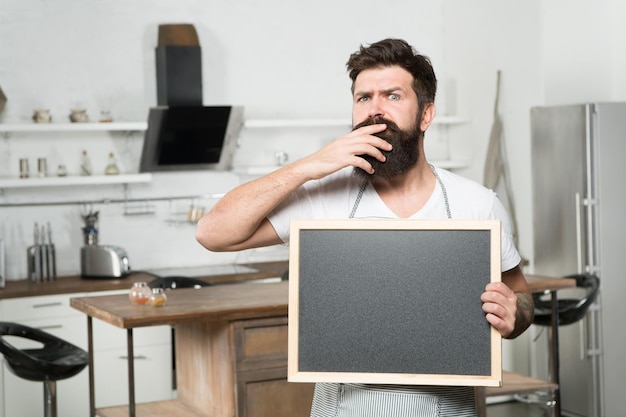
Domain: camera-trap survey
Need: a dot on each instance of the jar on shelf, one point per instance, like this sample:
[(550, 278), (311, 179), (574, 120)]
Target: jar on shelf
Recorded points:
[(111, 167), (139, 293), (158, 297)]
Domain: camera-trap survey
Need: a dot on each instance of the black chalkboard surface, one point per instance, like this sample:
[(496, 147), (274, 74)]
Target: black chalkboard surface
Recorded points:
[(393, 302)]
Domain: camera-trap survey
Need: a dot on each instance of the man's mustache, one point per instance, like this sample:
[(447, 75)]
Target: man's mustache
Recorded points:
[(391, 126)]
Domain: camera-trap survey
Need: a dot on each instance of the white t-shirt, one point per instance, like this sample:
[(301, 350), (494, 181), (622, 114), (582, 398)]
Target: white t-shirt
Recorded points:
[(334, 197)]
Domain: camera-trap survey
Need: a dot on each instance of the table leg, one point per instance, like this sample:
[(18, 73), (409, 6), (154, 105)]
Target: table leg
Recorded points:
[(554, 352), (131, 372), (92, 396), (481, 401)]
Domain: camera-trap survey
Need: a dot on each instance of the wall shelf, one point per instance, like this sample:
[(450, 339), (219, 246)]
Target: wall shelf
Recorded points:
[(282, 123), (74, 180), (6, 128), (259, 170)]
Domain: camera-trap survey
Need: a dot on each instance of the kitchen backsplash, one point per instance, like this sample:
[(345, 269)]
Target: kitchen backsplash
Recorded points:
[(155, 234)]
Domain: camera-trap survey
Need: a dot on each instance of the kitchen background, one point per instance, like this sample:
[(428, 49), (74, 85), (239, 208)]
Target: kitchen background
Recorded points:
[(281, 60)]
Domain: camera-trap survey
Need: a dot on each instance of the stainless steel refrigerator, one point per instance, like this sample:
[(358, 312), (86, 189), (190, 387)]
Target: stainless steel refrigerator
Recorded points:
[(579, 222)]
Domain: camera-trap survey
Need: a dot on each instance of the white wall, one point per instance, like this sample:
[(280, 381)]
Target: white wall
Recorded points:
[(280, 59), (277, 58)]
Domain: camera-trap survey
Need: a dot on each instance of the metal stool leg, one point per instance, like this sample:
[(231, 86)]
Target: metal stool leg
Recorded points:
[(50, 398)]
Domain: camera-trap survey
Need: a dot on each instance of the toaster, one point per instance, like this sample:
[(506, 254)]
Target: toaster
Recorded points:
[(103, 261)]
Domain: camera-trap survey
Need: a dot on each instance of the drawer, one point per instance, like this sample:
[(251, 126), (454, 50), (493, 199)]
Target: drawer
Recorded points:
[(32, 308), (261, 343)]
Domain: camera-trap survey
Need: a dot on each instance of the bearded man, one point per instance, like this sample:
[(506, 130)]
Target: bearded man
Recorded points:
[(379, 170)]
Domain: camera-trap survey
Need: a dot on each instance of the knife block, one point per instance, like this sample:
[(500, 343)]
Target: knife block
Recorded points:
[(41, 261)]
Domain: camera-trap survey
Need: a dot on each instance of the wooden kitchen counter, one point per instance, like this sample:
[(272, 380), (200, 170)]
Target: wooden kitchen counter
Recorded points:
[(76, 284), (213, 303), (231, 350)]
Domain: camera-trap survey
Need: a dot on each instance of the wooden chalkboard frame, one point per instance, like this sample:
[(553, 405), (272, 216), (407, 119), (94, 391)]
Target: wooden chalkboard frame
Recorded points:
[(311, 239)]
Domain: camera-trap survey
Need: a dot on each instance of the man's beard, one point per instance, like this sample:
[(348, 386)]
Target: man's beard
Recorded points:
[(403, 156)]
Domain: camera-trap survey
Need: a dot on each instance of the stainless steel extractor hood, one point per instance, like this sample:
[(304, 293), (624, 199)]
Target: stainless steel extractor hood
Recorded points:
[(191, 138), (182, 133)]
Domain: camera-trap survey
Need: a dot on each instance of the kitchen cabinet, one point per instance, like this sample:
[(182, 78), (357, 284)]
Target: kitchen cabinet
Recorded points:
[(260, 348), (53, 314)]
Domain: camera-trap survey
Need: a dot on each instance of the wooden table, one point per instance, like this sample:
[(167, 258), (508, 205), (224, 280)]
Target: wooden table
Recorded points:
[(515, 383), (231, 350)]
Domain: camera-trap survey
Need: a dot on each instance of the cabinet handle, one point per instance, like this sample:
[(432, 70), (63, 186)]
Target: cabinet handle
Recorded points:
[(56, 304), (125, 357)]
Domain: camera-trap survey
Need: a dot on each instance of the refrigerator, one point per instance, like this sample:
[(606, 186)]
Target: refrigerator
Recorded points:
[(579, 225)]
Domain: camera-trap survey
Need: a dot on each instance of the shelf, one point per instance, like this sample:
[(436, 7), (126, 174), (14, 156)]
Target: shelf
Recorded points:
[(282, 123), (266, 169), (74, 180), (74, 127), (279, 123)]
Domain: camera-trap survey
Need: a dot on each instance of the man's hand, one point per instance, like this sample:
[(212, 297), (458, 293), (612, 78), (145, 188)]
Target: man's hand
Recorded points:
[(344, 151), (509, 311)]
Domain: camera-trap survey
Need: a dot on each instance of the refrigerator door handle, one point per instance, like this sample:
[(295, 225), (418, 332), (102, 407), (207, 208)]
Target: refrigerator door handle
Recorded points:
[(579, 249), (582, 342)]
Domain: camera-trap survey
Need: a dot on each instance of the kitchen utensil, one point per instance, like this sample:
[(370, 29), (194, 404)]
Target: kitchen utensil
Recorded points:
[(41, 257), (35, 257), (43, 254), (52, 254)]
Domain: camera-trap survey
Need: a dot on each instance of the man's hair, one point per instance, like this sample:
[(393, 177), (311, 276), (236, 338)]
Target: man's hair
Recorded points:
[(391, 52)]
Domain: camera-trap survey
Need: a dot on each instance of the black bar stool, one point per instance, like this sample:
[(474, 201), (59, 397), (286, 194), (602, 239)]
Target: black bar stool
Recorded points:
[(56, 359), (173, 282), (568, 310)]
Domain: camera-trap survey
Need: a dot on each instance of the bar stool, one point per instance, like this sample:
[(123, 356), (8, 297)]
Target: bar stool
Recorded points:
[(55, 360), (569, 311), (173, 282)]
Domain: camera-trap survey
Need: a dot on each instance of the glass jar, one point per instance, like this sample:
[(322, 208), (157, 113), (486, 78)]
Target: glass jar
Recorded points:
[(139, 293), (158, 297)]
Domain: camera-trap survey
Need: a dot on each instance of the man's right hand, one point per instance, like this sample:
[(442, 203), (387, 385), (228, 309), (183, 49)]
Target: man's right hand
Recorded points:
[(345, 151)]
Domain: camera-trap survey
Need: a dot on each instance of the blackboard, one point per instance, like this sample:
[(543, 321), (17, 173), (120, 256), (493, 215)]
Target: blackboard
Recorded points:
[(393, 302)]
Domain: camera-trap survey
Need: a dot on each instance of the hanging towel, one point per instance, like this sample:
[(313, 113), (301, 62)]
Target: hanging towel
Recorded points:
[(495, 174)]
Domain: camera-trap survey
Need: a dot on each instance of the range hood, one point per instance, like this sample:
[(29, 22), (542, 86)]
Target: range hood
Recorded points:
[(191, 138), (183, 134)]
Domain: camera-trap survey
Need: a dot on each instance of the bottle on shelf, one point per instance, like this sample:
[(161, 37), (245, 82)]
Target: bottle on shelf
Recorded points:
[(111, 168), (85, 164)]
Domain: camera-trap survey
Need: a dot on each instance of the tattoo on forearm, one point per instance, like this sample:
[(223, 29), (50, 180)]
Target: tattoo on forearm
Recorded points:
[(525, 313)]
